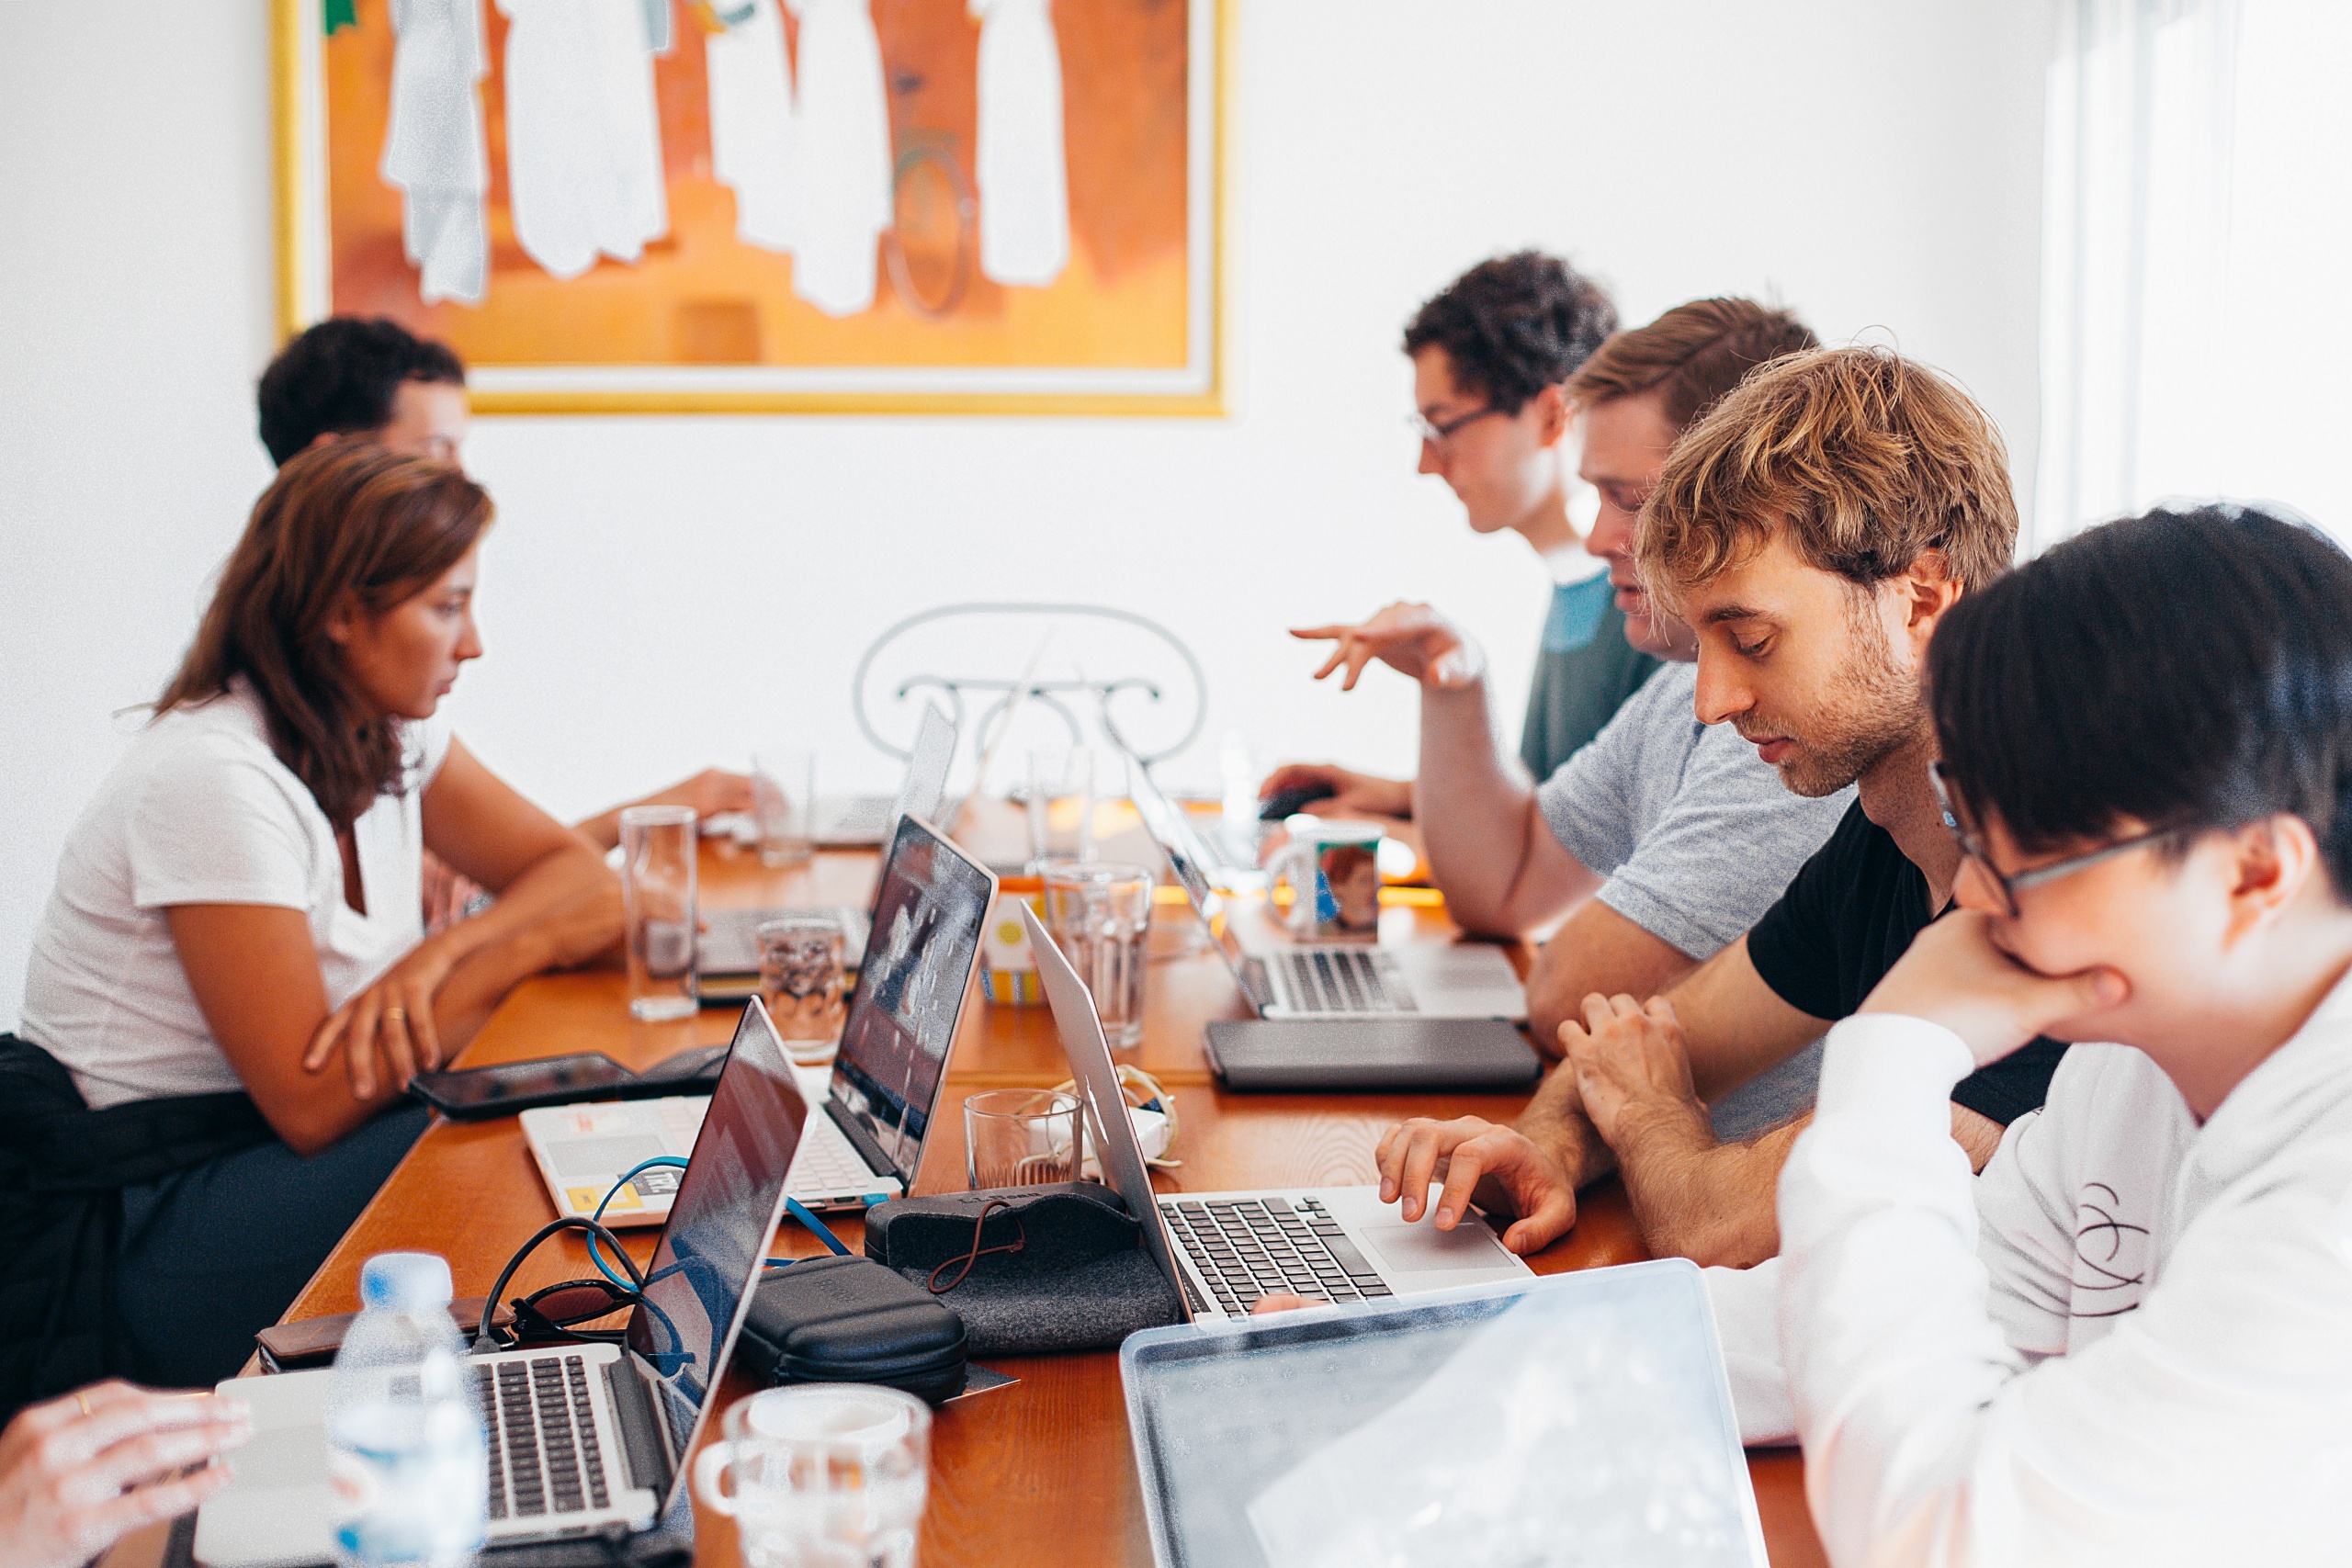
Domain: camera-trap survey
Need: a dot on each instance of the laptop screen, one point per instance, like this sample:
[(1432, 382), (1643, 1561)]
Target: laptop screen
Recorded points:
[(928, 914), (927, 764), (728, 1203), (1190, 859)]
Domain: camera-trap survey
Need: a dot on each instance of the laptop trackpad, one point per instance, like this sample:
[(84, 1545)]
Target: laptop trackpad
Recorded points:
[(1400, 1248)]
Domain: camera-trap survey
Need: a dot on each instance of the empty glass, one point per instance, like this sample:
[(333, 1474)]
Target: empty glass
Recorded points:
[(784, 803), (800, 981), (825, 1475), (1100, 915), (1061, 804), (1020, 1137), (657, 909)]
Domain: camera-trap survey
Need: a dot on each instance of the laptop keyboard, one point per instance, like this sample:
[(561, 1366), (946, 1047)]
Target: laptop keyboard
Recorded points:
[(1247, 1248), (828, 1164), (1347, 979), (543, 1456)]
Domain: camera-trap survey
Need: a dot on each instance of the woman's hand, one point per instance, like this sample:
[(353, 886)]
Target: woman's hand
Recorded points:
[(1953, 975), (79, 1473), (386, 1030)]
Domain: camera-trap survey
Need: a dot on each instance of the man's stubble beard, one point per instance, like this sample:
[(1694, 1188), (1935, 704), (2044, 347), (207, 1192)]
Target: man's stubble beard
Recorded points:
[(1874, 714)]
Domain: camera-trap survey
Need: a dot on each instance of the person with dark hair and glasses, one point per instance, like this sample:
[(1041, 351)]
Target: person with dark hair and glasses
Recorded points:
[(2130, 1339), (231, 985), (348, 379), (1492, 353)]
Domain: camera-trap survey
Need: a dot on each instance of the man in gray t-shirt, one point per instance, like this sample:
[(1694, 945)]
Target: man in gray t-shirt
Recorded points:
[(1661, 840)]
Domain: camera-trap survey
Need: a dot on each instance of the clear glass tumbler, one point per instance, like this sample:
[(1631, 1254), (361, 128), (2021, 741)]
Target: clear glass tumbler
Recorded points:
[(658, 904), (823, 1475), (800, 981), (1100, 915), (784, 803), (1061, 798), (1020, 1137)]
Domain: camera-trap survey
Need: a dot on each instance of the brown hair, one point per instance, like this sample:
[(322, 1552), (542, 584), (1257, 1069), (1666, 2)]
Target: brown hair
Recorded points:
[(1691, 356), (1863, 459), (343, 521)]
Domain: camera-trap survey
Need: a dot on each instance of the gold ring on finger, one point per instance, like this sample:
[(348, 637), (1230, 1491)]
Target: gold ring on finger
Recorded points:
[(83, 1400), (398, 1014)]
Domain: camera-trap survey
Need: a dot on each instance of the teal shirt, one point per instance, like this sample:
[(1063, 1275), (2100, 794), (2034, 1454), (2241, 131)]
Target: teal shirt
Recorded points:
[(1584, 673)]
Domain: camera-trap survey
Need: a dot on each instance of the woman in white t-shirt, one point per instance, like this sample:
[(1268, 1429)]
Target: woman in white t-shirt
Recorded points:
[(237, 910)]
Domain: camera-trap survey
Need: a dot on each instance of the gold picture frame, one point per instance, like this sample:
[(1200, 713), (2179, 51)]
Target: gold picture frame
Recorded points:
[(1002, 349)]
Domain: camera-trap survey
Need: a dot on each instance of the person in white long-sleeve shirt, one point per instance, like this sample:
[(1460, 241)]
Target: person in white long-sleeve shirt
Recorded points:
[(2129, 1340)]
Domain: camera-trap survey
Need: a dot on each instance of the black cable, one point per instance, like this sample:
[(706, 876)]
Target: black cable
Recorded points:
[(485, 1338)]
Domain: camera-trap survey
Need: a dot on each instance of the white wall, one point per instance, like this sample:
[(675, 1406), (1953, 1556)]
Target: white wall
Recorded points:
[(1873, 163)]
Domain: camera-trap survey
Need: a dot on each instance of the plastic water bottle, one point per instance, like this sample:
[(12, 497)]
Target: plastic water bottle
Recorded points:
[(404, 1433)]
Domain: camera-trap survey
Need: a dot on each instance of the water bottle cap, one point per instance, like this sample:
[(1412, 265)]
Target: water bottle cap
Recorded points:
[(406, 1282)]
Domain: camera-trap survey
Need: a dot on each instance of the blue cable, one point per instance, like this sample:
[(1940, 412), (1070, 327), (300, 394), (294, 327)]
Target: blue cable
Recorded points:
[(791, 1205)]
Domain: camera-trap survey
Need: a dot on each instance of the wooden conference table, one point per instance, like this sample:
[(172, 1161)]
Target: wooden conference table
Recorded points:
[(1041, 1468)]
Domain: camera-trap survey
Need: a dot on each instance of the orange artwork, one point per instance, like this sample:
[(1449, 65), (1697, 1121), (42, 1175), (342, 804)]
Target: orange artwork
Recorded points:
[(1116, 311)]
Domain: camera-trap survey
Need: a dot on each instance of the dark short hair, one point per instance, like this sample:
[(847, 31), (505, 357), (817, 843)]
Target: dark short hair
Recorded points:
[(1691, 356), (2188, 669), (1514, 325), (341, 377)]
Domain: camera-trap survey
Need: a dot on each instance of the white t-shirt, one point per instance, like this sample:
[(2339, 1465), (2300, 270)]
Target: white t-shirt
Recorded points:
[(201, 811)]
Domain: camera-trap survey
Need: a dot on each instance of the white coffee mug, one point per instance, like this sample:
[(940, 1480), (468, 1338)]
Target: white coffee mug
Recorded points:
[(1333, 870), (819, 1474)]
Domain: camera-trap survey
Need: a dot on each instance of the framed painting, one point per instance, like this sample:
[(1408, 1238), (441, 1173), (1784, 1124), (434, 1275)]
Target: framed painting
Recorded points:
[(745, 206)]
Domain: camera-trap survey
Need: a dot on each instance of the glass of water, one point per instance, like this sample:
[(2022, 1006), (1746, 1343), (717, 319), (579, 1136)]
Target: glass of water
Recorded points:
[(800, 981), (1021, 1137), (1100, 915), (821, 1475), (784, 803), (658, 903)]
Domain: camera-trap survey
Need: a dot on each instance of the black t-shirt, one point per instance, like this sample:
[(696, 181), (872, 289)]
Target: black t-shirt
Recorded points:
[(1850, 913)]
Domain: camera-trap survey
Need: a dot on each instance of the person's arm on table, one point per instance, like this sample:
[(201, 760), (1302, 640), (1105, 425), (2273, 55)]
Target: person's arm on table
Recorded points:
[(711, 792), (1501, 870), (1595, 950)]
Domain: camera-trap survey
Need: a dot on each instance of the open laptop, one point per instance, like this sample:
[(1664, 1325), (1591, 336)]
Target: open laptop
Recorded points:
[(583, 1438), (1223, 1250), (929, 909), (727, 956), (1283, 978)]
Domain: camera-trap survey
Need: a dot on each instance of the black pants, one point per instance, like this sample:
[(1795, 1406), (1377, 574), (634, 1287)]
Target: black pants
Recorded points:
[(216, 1253)]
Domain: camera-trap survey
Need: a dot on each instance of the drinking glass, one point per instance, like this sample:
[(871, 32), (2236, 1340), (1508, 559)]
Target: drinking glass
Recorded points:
[(1019, 1137), (784, 803), (658, 908), (825, 1475), (800, 981), (1061, 804), (1100, 915)]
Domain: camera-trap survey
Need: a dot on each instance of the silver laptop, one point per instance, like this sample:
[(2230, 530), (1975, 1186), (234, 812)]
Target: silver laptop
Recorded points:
[(1581, 1418), (1223, 1250), (583, 1438), (1280, 978), (727, 958), (929, 909)]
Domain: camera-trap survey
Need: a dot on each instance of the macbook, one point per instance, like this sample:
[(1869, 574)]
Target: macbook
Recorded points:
[(929, 910), (727, 956), (1223, 1250), (581, 1437), (1280, 978)]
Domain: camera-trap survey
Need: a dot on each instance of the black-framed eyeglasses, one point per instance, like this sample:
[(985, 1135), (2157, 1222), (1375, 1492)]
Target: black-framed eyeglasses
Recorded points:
[(1971, 845), (556, 1312), (1430, 430)]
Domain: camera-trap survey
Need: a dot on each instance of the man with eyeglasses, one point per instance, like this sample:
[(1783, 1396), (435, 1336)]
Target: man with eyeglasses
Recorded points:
[(1491, 355), (1811, 529)]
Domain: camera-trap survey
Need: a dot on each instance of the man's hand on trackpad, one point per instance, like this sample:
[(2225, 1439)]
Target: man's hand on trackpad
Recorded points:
[(1478, 1161)]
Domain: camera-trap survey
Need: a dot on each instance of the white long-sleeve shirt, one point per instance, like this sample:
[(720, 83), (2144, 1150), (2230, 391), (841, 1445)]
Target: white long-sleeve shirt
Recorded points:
[(2129, 1340)]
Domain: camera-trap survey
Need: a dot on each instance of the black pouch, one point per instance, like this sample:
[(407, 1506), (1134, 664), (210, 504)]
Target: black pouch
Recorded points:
[(1060, 1266), (835, 1319)]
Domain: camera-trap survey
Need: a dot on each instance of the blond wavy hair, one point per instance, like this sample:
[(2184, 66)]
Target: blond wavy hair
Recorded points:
[(1861, 460)]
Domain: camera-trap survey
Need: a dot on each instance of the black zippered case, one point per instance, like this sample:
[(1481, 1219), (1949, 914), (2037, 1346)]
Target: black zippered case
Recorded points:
[(836, 1319)]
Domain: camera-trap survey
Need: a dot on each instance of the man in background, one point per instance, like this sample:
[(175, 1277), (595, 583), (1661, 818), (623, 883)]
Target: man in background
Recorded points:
[(1491, 357)]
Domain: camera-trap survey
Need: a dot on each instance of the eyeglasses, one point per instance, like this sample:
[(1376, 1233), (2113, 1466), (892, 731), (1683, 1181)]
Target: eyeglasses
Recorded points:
[(1972, 846), (555, 1313), (1438, 434)]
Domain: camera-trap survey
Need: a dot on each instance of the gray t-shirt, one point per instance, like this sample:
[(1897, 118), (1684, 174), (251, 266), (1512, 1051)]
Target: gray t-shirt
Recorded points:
[(1696, 833)]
